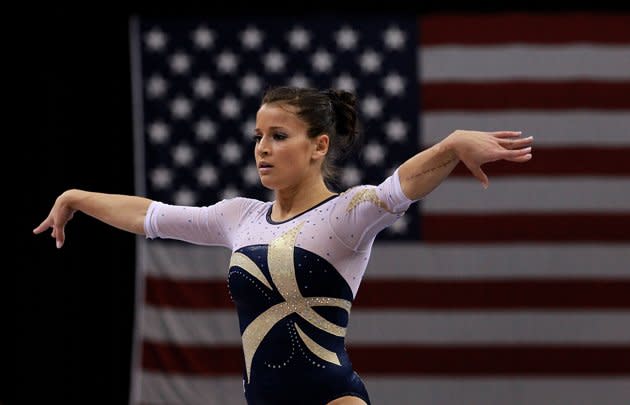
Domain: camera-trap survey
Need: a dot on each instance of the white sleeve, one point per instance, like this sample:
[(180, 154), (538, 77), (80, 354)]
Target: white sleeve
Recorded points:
[(363, 211), (212, 225)]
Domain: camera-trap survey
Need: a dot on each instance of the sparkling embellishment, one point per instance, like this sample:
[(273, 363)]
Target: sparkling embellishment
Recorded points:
[(367, 195)]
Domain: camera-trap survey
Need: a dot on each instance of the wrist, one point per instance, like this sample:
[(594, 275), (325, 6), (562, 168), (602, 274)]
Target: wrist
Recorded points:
[(448, 147)]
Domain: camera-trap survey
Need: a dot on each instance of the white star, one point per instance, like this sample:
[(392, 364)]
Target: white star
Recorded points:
[(229, 192), (299, 38), (394, 38), (183, 154), (322, 61), (250, 174), (274, 61), (156, 87), (345, 82), (248, 129), (396, 130), (372, 106), (251, 38), (184, 196), (180, 63), (207, 175), (205, 129), (394, 84), (299, 80), (227, 62), (203, 37), (181, 107), (230, 106), (158, 132), (203, 87), (373, 153), (350, 176), (370, 61), (346, 38), (231, 152), (251, 84), (155, 39), (161, 177), (400, 226)]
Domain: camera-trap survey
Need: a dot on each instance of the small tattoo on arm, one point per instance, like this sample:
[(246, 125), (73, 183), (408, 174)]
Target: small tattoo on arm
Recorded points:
[(427, 171)]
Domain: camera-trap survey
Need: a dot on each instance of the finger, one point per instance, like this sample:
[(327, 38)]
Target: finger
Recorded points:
[(520, 159), (516, 143), (43, 226), (506, 134), (479, 174), (60, 236)]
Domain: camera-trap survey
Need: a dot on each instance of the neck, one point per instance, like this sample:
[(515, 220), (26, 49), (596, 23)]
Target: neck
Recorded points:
[(295, 200)]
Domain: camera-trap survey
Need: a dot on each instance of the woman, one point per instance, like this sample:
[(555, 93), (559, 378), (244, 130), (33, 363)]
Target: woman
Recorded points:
[(297, 262)]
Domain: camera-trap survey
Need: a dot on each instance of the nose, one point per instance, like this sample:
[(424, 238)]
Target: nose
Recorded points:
[(262, 147)]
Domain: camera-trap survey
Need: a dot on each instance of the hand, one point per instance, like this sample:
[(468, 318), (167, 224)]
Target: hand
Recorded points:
[(59, 216), (475, 148)]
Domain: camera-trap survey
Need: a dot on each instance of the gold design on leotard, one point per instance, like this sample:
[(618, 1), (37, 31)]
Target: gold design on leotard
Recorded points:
[(316, 348), (247, 264), (282, 270), (367, 195)]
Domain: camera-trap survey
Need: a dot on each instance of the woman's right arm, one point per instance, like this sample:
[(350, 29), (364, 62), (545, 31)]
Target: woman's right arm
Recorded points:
[(124, 212)]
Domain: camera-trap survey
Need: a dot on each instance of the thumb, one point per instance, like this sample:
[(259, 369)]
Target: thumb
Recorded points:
[(480, 175)]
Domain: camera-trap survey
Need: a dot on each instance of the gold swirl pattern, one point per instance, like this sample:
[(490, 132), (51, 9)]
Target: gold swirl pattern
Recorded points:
[(367, 195), (282, 270)]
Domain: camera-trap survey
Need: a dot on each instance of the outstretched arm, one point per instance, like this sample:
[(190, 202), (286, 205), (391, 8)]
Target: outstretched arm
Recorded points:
[(425, 171), (121, 211)]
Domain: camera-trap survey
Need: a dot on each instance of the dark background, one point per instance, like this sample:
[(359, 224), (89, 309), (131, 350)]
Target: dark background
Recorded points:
[(66, 335)]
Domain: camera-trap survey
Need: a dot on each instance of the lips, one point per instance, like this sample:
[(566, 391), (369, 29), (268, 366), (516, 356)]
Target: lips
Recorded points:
[(264, 165)]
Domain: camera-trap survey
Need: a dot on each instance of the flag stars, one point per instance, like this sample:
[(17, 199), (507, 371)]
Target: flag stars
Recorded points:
[(394, 38), (155, 40), (231, 152), (370, 61), (203, 38), (156, 86), (396, 130), (184, 196), (227, 62), (229, 192), (345, 82), (373, 153), (274, 61), (203, 87), (350, 176), (205, 130), (372, 106), (248, 128), (230, 106), (180, 63), (299, 80), (346, 38), (183, 155), (207, 175), (322, 61), (159, 132), (161, 177), (181, 107), (251, 38), (394, 84), (299, 38), (250, 174), (251, 84)]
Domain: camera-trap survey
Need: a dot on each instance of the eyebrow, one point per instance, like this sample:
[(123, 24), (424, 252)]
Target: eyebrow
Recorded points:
[(272, 128)]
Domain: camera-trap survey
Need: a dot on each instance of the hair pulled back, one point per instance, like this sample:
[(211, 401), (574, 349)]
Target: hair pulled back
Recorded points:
[(328, 111)]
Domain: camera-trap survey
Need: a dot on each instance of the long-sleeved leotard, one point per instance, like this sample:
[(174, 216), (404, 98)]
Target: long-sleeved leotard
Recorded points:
[(293, 283)]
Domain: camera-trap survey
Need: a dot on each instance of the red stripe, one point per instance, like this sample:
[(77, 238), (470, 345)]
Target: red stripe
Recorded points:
[(562, 161), (482, 29), (419, 294), (524, 227), (413, 360), (537, 95)]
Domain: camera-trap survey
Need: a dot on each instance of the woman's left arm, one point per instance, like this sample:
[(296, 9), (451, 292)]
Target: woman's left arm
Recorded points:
[(426, 170)]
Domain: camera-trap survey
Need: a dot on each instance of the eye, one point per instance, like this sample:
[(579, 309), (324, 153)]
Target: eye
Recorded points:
[(256, 138), (278, 136)]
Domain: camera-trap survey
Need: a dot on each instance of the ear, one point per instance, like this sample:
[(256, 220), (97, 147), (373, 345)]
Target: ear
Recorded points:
[(322, 142)]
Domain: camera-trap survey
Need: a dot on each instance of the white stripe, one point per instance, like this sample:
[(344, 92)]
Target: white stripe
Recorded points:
[(520, 62), (391, 327), (560, 128), (416, 260), (529, 194), (166, 389), (501, 261)]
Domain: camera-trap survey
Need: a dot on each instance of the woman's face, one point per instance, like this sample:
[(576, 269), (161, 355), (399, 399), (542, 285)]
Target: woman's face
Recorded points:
[(285, 156)]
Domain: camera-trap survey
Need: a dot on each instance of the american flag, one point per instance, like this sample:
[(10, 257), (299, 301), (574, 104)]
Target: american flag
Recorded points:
[(516, 294)]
